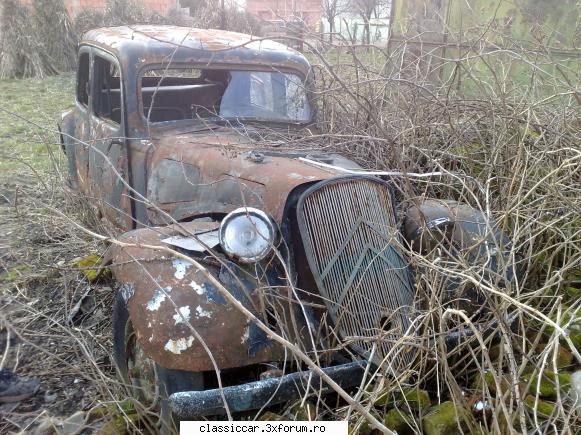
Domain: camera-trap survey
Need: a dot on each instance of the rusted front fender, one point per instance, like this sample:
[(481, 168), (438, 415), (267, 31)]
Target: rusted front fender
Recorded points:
[(168, 298), (431, 221), (457, 231)]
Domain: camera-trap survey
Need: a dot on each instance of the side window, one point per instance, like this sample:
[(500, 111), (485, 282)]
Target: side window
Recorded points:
[(83, 79), (107, 88)]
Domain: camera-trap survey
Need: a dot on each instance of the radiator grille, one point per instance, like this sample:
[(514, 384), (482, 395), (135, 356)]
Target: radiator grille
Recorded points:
[(352, 244)]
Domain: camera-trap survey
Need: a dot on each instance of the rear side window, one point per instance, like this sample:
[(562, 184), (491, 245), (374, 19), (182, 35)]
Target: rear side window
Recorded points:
[(83, 79), (107, 98)]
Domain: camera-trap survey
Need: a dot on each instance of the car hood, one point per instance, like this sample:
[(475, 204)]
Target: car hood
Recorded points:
[(203, 173)]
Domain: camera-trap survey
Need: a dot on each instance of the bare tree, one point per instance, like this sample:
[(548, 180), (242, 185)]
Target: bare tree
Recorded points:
[(331, 9), (366, 9)]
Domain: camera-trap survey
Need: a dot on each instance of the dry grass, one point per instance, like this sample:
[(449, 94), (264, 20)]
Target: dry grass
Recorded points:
[(55, 325)]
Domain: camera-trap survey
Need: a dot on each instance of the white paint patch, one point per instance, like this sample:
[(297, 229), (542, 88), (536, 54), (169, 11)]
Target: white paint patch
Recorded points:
[(246, 335), (180, 345), (200, 312), (183, 316), (158, 297), (300, 176), (180, 267), (197, 288), (127, 291)]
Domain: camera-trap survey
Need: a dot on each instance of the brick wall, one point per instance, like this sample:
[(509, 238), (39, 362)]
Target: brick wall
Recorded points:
[(308, 10), (76, 6)]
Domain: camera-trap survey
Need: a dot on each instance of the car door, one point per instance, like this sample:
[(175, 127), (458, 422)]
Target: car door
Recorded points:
[(108, 150)]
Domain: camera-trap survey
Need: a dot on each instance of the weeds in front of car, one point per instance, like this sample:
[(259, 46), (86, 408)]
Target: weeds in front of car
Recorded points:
[(509, 148)]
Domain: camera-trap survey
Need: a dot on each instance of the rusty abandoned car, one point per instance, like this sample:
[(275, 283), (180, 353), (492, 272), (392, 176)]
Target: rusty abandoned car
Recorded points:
[(166, 140)]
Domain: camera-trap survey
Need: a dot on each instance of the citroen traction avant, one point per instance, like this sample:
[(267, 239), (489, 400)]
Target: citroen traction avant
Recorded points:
[(231, 239)]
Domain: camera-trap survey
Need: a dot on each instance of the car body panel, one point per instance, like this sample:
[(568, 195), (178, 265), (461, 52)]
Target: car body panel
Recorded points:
[(221, 175), (102, 167)]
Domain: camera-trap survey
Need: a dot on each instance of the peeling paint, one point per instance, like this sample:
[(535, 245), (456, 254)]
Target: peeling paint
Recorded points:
[(183, 315), (200, 312), (127, 290), (213, 294), (197, 288), (300, 176), (180, 345), (245, 335), (257, 339), (180, 266), (158, 297)]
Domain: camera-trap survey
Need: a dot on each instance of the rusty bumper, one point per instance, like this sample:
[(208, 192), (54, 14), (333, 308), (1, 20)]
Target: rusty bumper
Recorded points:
[(255, 395)]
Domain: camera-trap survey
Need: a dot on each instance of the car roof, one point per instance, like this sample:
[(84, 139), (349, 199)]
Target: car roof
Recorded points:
[(147, 44)]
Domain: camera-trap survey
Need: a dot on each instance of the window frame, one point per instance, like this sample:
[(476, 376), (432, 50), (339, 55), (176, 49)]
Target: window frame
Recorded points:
[(97, 52), (84, 50), (223, 66)]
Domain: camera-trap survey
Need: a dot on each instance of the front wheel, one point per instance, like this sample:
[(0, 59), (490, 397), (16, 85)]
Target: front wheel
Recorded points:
[(147, 382)]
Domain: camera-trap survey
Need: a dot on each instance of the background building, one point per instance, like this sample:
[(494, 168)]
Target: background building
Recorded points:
[(309, 11)]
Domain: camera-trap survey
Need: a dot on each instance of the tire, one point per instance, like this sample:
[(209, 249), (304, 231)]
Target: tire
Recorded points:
[(160, 382)]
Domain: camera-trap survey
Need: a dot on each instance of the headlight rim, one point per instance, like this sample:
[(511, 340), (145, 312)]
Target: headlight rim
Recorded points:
[(252, 211)]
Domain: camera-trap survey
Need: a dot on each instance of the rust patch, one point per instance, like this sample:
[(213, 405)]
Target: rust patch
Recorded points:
[(224, 181)]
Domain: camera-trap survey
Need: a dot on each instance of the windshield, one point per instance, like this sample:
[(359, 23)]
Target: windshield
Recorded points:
[(213, 94)]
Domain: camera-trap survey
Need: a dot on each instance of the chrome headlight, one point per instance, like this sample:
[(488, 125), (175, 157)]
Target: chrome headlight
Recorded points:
[(248, 234)]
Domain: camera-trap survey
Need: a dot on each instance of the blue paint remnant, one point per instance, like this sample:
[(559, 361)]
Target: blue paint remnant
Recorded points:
[(257, 339), (233, 278), (309, 316), (213, 294)]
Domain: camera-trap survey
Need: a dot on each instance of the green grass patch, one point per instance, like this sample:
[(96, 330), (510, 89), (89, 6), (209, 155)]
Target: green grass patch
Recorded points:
[(34, 101)]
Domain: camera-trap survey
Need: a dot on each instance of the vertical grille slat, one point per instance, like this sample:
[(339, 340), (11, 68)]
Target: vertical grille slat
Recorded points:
[(352, 243)]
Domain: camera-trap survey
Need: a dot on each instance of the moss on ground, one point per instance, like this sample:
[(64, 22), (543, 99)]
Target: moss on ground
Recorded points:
[(445, 419)]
